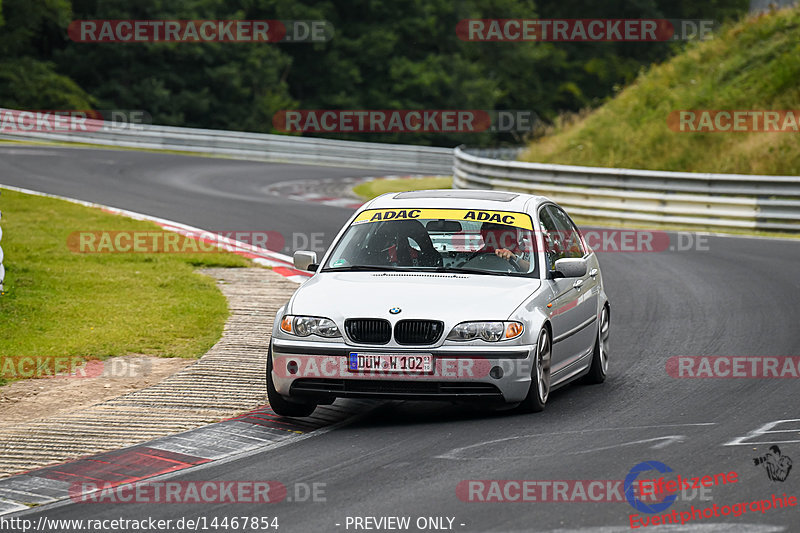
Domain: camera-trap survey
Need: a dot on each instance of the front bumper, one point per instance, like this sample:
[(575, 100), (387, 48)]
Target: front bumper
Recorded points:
[(320, 371)]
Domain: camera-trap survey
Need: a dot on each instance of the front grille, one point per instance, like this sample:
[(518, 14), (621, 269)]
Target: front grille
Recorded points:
[(418, 331), (368, 330), (378, 388)]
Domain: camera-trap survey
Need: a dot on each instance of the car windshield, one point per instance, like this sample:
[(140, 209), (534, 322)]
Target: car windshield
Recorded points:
[(440, 240)]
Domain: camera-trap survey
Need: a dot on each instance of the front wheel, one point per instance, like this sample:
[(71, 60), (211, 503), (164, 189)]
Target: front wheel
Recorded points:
[(599, 369), (540, 375), (278, 403)]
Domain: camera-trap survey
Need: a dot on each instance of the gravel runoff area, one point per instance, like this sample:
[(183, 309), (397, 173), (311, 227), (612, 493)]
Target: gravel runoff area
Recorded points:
[(225, 382)]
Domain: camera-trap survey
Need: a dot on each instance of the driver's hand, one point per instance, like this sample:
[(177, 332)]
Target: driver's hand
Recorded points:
[(505, 254)]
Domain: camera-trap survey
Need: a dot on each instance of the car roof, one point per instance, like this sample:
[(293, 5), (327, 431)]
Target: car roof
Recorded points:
[(458, 199)]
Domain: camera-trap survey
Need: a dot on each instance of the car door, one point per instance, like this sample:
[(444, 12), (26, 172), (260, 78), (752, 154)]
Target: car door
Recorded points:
[(574, 304)]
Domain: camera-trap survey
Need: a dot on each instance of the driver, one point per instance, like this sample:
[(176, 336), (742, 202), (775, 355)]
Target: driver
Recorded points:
[(502, 241), (394, 236)]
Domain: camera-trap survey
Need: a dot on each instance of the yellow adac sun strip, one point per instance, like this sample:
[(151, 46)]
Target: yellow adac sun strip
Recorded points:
[(509, 218)]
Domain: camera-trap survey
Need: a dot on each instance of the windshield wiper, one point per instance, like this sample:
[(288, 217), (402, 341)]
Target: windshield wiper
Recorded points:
[(462, 270), (445, 270), (458, 269), (364, 268)]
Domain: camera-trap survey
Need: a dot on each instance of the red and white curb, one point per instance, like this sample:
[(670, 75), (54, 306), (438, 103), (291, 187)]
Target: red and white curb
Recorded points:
[(252, 432), (336, 192), (280, 263)]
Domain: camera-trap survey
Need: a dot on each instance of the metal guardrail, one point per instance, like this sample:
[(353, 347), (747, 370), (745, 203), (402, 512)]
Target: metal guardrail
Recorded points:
[(255, 146), (721, 201)]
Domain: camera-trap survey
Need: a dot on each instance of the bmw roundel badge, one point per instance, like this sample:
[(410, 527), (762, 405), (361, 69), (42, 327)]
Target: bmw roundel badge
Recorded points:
[(395, 310)]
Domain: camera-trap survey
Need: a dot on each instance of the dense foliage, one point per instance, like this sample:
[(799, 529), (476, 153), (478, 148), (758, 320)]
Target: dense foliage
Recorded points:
[(401, 54)]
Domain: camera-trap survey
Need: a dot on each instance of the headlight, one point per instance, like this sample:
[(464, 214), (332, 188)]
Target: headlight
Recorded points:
[(488, 331), (303, 326)]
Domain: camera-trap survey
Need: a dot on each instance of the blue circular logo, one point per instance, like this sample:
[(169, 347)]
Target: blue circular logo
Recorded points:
[(635, 502), (395, 310)]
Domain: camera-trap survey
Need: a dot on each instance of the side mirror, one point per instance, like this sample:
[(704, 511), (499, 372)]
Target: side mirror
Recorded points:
[(570, 268), (305, 260)]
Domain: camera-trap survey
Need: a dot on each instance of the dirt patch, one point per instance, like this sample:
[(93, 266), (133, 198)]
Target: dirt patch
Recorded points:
[(30, 399)]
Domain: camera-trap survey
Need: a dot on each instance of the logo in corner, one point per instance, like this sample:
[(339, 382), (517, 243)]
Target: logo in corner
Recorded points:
[(395, 310), (630, 491), (776, 464)]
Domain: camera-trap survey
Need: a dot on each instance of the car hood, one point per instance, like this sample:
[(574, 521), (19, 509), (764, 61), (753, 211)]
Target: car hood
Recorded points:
[(449, 297)]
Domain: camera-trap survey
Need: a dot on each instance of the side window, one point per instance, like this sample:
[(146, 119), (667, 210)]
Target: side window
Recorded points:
[(570, 236), (553, 245)]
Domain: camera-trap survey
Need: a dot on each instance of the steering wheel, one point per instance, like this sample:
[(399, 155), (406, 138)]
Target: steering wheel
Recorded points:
[(491, 261)]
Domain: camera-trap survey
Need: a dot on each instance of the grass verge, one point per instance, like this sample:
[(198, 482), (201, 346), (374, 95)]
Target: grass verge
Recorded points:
[(751, 65), (58, 303), (373, 188)]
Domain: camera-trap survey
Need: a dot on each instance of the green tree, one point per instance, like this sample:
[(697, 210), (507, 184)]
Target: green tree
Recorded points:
[(28, 79), (213, 85), (401, 54)]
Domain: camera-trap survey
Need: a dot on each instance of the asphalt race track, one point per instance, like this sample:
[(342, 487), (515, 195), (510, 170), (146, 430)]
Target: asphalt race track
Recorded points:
[(209, 193), (737, 298)]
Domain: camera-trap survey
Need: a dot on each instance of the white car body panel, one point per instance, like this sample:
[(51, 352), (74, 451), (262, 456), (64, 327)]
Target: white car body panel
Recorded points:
[(570, 311)]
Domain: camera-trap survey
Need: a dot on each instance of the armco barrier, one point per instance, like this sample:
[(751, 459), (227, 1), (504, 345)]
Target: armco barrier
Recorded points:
[(256, 146), (720, 201)]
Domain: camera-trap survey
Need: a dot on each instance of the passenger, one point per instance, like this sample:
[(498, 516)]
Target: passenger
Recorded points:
[(392, 239)]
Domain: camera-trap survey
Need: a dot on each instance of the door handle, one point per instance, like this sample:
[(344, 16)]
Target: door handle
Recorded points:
[(593, 272), (577, 285)]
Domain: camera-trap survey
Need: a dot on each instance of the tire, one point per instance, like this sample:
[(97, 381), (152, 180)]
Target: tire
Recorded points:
[(278, 403), (599, 369), (540, 375)]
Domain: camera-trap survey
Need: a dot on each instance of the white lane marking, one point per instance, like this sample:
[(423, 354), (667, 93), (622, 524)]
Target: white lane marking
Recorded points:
[(10, 507), (667, 441), (17, 151), (662, 443), (767, 429), (454, 453)]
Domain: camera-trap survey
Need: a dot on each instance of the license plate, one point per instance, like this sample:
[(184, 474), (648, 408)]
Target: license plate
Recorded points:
[(380, 362)]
